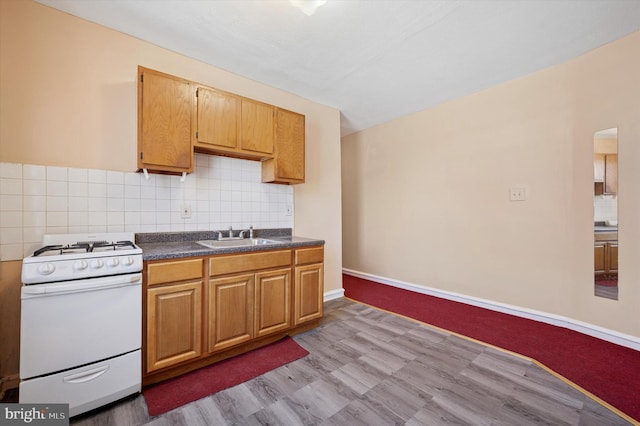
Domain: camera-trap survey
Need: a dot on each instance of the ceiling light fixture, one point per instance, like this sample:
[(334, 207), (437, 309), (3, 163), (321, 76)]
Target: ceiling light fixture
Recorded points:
[(308, 7)]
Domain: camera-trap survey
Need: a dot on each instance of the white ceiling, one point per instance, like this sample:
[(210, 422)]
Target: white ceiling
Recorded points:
[(374, 60)]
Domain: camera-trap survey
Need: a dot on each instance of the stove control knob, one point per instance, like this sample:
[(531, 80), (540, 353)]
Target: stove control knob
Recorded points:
[(127, 261), (97, 264), (80, 265), (113, 262), (46, 268)]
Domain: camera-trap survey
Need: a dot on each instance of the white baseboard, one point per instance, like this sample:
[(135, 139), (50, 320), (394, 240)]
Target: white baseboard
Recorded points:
[(575, 325), (333, 294)]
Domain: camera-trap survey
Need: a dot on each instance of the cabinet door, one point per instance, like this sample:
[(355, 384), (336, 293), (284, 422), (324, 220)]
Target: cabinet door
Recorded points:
[(598, 167), (287, 166), (256, 123), (309, 289), (164, 122), (217, 118), (611, 174), (613, 258), (599, 257), (231, 304), (273, 301), (173, 324)]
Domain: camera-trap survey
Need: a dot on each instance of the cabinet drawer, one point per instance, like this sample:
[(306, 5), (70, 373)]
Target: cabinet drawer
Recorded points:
[(309, 255), (180, 270), (606, 236), (248, 262)]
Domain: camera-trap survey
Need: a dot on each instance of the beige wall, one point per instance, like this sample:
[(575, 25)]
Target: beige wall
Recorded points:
[(426, 197), (69, 99)]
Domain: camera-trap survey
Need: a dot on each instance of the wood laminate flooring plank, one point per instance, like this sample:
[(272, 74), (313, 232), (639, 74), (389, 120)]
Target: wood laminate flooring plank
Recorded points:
[(370, 367)]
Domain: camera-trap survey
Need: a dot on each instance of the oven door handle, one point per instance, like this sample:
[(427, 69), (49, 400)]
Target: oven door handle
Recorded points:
[(86, 376), (82, 285)]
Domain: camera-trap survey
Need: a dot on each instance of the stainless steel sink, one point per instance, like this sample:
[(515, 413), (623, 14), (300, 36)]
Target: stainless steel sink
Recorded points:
[(238, 242)]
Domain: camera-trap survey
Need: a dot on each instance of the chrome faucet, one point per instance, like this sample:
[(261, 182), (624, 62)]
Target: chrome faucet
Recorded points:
[(230, 234), (242, 234), (250, 231)]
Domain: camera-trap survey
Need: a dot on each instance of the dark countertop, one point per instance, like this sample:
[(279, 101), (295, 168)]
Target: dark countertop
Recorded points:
[(176, 245), (605, 228)]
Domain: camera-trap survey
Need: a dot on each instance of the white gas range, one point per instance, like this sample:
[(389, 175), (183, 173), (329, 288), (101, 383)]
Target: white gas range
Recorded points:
[(81, 321)]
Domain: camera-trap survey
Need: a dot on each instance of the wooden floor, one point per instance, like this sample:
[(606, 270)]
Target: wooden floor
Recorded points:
[(610, 292), (368, 367)]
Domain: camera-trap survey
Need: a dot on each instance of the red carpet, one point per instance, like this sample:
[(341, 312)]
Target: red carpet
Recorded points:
[(609, 371), (189, 387), (607, 282)]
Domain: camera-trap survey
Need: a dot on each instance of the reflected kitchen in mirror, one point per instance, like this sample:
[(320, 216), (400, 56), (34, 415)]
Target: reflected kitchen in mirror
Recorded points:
[(605, 212)]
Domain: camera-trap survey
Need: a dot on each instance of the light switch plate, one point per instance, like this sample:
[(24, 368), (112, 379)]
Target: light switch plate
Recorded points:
[(517, 193)]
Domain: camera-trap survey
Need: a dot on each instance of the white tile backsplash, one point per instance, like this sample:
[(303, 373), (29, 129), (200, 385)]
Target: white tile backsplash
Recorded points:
[(33, 187), (34, 172), (60, 174), (605, 207), (11, 170), (78, 175), (97, 176), (221, 192), (10, 186)]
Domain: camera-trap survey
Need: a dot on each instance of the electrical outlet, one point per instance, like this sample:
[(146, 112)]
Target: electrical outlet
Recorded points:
[(185, 212), (517, 194), (289, 211)]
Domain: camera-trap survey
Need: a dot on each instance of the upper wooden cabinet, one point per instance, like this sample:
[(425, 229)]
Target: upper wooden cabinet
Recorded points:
[(216, 119), (605, 173), (228, 124), (177, 117), (287, 164), (256, 127), (165, 103)]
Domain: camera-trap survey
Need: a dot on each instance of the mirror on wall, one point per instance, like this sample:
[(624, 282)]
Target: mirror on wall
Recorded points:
[(605, 213)]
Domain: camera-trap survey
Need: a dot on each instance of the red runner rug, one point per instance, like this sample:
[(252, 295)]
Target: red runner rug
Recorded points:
[(609, 371), (607, 282), (205, 381)]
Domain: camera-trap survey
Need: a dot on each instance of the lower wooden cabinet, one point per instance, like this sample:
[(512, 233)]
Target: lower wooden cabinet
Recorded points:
[(309, 284), (230, 311), (200, 310), (273, 302), (253, 303), (308, 303), (613, 257), (605, 257), (599, 255), (173, 313), (605, 252)]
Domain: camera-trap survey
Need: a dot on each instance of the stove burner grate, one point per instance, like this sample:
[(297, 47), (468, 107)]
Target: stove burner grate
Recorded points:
[(62, 248), (116, 245), (85, 246)]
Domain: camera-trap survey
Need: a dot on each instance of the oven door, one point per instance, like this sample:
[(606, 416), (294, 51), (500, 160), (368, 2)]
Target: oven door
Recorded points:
[(73, 323)]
